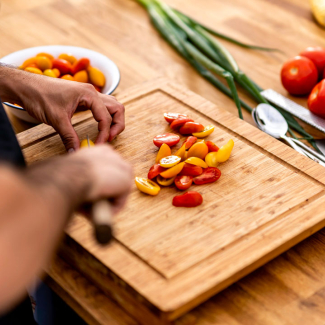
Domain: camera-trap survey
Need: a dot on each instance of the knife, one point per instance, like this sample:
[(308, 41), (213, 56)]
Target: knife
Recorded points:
[(101, 215), (298, 111)]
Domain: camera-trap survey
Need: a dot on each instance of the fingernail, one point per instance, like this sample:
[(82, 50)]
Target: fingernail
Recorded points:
[(71, 150)]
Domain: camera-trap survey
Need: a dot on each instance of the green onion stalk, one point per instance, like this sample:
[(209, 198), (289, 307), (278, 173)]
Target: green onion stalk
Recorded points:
[(196, 44)]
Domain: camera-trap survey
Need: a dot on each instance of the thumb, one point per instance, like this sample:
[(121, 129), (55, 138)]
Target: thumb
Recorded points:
[(68, 135)]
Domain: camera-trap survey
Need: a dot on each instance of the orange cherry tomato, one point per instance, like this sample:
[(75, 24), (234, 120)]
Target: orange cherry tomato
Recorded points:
[(96, 77), (155, 170), (209, 175), (191, 127), (191, 170), (173, 171), (170, 117), (163, 152), (50, 56), (27, 63), (63, 66), (49, 73), (56, 72), (189, 199), (183, 182), (68, 57), (34, 70), (169, 138), (212, 147), (79, 65), (67, 77), (32, 65), (43, 63), (189, 142), (181, 152), (81, 76), (176, 124), (199, 150)]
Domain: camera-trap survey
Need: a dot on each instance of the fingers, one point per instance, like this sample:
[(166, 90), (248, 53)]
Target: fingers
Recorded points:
[(68, 135)]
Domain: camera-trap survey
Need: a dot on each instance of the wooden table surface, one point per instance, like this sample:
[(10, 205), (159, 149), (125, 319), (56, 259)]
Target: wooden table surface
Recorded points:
[(288, 290)]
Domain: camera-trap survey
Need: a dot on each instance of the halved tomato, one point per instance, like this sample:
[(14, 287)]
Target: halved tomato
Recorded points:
[(212, 146), (191, 127), (189, 142), (169, 138), (170, 117), (183, 182), (209, 175), (180, 122), (191, 170), (189, 199), (155, 170)]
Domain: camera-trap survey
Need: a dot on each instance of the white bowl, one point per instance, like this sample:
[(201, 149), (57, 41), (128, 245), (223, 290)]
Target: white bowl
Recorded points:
[(100, 61)]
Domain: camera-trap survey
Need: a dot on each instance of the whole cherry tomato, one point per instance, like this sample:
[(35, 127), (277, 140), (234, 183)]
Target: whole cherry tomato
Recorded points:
[(67, 77), (317, 55), (62, 65), (170, 117), (183, 182), (96, 77), (299, 75), (68, 57), (189, 142), (43, 63), (209, 175), (211, 146), (189, 199), (79, 65), (169, 138), (180, 122), (155, 170), (81, 76), (191, 170), (191, 127), (316, 99)]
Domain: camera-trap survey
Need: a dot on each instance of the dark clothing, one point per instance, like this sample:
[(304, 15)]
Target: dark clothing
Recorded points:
[(10, 152)]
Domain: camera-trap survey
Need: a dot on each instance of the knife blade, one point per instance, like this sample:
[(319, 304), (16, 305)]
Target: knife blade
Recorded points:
[(101, 216)]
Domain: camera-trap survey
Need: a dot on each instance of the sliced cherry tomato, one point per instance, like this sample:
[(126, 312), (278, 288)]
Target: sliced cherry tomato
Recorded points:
[(316, 99), (199, 150), (209, 175), (191, 170), (147, 186), (189, 199), (170, 117), (183, 182), (181, 152), (180, 122), (191, 127), (163, 152), (155, 170), (169, 161), (196, 161), (207, 131), (62, 65), (171, 172), (169, 138), (189, 142), (165, 181), (299, 75), (317, 55), (79, 65), (212, 146), (84, 143)]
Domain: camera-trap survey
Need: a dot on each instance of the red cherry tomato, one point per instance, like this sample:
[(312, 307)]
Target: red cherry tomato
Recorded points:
[(179, 122), (170, 117), (188, 200), (62, 65), (317, 55), (299, 75), (211, 146), (189, 142), (169, 138), (155, 170), (183, 182), (79, 65), (316, 99), (209, 175), (191, 170), (191, 127)]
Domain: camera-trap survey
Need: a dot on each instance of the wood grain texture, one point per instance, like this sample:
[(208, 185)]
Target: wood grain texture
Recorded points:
[(268, 199)]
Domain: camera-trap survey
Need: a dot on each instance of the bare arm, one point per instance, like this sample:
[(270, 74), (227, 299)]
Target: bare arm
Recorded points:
[(36, 204)]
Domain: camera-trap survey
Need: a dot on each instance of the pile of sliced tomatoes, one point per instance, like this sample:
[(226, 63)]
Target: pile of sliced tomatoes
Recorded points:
[(194, 163)]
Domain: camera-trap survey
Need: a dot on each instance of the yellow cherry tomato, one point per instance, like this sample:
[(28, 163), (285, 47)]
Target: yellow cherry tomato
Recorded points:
[(67, 77), (27, 63), (196, 161), (173, 171), (68, 57), (147, 186), (224, 152), (81, 76), (34, 70), (211, 160), (207, 131), (199, 150), (50, 56), (49, 73), (163, 152), (169, 161), (57, 72), (165, 181), (84, 143), (181, 152), (96, 77), (43, 62)]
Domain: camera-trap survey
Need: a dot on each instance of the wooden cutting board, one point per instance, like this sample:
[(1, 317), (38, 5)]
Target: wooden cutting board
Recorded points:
[(164, 260)]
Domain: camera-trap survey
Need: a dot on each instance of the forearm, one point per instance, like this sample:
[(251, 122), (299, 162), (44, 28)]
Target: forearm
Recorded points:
[(34, 208)]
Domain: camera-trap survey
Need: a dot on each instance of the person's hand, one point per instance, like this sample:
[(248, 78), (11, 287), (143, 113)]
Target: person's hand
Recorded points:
[(53, 101)]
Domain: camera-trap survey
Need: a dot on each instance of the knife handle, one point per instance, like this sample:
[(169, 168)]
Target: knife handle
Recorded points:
[(101, 213)]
